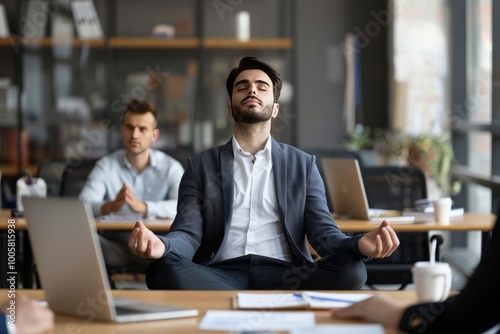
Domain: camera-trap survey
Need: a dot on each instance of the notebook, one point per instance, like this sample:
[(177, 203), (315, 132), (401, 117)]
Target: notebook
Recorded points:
[(69, 260), (347, 192)]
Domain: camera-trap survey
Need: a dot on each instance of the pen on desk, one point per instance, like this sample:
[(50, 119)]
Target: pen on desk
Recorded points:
[(331, 299)]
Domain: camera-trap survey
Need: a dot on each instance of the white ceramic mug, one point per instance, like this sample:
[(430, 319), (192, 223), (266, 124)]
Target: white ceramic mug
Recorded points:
[(432, 282)]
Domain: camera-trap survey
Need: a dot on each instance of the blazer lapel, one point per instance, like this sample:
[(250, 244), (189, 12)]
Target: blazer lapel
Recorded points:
[(227, 181), (280, 178)]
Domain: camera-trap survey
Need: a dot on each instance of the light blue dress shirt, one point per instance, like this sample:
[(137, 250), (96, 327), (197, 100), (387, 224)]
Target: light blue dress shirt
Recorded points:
[(157, 185)]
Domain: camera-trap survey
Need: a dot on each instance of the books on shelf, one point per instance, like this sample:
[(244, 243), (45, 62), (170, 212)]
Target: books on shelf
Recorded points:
[(8, 103), (35, 24), (303, 300), (4, 23), (87, 22)]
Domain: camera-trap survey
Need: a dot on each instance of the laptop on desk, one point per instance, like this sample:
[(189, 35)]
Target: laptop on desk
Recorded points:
[(69, 260), (345, 186)]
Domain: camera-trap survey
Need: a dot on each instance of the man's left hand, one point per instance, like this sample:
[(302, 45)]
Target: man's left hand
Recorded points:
[(380, 242)]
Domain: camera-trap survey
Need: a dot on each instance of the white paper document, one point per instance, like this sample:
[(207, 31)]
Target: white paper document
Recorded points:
[(342, 328), (124, 217), (306, 299), (216, 320)]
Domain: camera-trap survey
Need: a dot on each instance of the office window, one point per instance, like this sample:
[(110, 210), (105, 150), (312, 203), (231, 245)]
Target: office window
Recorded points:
[(420, 66), (478, 102)]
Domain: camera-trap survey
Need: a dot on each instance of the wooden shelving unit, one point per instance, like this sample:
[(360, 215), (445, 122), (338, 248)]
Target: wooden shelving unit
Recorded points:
[(153, 43), (261, 43), (182, 73), (75, 42)]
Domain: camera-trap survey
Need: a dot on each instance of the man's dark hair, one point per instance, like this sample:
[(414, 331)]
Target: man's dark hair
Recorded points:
[(253, 63), (137, 106)]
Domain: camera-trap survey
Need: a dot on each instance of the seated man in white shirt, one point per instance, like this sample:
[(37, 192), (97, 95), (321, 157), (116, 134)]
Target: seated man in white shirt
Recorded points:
[(134, 180)]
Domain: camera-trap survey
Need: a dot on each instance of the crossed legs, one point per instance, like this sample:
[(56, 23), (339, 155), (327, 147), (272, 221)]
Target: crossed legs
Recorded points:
[(343, 271)]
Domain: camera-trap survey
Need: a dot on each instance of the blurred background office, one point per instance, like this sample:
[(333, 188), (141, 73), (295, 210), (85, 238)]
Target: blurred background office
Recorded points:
[(390, 76)]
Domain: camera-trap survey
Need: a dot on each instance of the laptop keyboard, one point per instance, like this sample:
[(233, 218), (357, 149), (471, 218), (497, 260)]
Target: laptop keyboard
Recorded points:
[(138, 308)]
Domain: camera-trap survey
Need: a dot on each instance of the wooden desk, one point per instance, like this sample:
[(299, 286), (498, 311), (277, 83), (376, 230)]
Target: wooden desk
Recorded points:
[(483, 222), (202, 300), (469, 222), (157, 225)]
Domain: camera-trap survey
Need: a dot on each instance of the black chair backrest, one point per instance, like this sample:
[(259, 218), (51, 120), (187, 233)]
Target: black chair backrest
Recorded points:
[(396, 188), (180, 154), (75, 176), (393, 187), (51, 171)]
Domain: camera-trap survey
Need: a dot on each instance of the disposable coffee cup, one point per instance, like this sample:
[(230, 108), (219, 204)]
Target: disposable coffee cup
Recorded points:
[(442, 209), (432, 281)]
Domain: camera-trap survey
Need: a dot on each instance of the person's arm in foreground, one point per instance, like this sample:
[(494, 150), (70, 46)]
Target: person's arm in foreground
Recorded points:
[(30, 317), (379, 308)]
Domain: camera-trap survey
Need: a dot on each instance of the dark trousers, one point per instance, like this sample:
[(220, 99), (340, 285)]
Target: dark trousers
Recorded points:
[(343, 271)]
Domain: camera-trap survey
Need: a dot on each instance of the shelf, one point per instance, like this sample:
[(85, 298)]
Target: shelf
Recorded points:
[(209, 43), (47, 41), (7, 41), (156, 43), (11, 169), (142, 42), (261, 43)]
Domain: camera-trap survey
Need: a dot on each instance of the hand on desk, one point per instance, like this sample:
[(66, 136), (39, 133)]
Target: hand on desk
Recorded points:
[(379, 308), (143, 242), (381, 242)]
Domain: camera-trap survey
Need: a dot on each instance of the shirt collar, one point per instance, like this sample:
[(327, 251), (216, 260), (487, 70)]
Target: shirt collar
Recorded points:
[(267, 148), (153, 159)]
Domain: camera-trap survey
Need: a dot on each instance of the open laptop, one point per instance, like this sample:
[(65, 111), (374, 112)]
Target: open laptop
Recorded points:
[(347, 192), (71, 266)]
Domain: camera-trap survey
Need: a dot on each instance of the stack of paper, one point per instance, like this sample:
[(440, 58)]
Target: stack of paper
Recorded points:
[(307, 299), (125, 217), (429, 212)]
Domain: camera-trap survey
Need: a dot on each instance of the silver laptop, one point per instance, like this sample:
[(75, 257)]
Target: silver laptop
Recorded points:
[(69, 260), (347, 192)]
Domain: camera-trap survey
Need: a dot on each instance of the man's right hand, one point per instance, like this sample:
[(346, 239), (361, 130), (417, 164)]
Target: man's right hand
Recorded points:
[(143, 242)]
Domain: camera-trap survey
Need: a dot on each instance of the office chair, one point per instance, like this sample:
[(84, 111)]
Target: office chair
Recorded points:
[(396, 188), (75, 176), (180, 154), (51, 171)]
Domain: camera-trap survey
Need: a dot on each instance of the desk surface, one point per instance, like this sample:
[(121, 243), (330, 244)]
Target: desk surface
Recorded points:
[(469, 222), (202, 300), (20, 222)]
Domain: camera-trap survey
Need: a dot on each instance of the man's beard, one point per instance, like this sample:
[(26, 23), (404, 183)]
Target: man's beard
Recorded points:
[(252, 115)]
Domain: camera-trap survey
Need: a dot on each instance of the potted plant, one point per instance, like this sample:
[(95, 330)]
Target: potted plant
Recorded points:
[(434, 155)]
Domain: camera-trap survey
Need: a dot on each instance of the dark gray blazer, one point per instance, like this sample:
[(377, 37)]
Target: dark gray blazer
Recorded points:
[(205, 206)]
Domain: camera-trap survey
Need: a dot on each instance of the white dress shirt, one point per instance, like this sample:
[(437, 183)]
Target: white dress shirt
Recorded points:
[(157, 185), (256, 227)]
